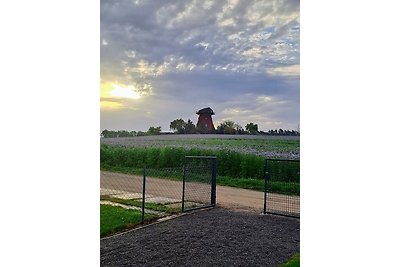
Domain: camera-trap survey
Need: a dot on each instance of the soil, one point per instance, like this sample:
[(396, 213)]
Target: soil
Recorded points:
[(216, 237)]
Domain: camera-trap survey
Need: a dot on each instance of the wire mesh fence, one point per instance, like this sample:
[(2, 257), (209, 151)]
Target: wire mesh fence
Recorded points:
[(156, 193), (152, 193), (164, 190), (199, 183), (282, 187), (161, 192)]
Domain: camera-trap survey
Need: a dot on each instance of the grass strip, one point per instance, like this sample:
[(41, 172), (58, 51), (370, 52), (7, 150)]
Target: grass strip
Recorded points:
[(293, 262), (114, 219)]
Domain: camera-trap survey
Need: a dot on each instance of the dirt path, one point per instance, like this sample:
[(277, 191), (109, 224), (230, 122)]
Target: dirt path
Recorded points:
[(227, 197)]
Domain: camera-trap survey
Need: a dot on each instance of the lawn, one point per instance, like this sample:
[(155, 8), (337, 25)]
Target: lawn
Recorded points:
[(114, 219), (293, 262)]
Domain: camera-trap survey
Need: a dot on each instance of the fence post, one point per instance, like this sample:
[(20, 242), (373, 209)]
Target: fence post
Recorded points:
[(265, 185), (143, 192), (183, 184), (213, 181)]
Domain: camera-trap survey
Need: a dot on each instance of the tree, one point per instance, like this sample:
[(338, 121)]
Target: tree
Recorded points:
[(178, 125), (189, 127), (220, 129), (123, 133), (238, 128), (154, 130), (228, 127), (140, 133), (252, 128), (105, 133)]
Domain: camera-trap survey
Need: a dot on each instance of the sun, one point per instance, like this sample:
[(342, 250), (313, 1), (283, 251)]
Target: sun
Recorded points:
[(125, 92)]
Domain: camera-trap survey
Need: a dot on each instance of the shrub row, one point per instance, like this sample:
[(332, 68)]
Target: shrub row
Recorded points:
[(229, 163), (284, 171)]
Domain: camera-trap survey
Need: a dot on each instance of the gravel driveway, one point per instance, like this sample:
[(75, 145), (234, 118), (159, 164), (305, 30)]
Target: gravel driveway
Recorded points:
[(217, 237)]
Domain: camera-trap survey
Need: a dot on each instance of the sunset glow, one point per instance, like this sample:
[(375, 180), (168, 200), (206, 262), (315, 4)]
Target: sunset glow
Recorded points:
[(125, 92)]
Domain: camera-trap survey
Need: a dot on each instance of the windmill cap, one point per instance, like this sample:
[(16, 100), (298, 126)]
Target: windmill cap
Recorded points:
[(207, 110)]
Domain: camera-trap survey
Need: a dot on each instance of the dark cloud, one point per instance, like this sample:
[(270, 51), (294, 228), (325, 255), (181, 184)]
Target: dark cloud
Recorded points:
[(223, 85)]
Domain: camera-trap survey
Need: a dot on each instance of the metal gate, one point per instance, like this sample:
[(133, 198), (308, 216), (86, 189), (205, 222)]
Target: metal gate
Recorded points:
[(199, 182), (282, 187)]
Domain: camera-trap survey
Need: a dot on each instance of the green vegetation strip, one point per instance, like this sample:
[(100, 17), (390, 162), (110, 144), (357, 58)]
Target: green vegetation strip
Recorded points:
[(230, 163), (293, 262), (114, 219), (258, 185), (233, 169)]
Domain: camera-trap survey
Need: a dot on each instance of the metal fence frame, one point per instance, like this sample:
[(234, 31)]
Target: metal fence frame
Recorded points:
[(266, 179), (120, 187), (137, 190), (213, 182)]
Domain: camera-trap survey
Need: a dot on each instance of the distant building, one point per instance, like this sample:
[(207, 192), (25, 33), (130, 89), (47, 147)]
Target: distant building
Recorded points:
[(205, 122)]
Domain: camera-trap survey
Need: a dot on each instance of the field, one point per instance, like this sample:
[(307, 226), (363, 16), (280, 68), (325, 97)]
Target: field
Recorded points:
[(240, 158), (283, 147)]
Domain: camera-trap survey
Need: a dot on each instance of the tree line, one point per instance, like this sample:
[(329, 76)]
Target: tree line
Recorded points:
[(230, 127), (151, 131), (179, 126)]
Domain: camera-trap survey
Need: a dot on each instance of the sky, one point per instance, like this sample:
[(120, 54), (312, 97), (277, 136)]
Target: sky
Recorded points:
[(164, 60)]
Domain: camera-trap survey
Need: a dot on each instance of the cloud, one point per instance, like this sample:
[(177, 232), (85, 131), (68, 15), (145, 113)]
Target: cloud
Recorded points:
[(291, 70), (109, 105), (193, 54)]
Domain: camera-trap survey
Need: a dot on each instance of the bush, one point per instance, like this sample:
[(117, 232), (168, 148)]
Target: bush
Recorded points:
[(284, 171), (230, 164)]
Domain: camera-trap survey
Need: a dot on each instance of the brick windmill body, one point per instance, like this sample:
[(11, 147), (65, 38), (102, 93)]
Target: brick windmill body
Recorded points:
[(205, 121)]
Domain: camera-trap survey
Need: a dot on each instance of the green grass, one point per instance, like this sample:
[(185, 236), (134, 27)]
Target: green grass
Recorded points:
[(114, 219), (229, 163), (254, 184), (258, 185), (293, 262)]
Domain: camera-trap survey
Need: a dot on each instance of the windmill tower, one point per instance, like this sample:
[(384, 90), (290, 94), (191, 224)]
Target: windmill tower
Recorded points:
[(205, 121)]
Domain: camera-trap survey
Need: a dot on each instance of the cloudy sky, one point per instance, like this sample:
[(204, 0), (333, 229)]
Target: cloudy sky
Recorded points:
[(162, 60)]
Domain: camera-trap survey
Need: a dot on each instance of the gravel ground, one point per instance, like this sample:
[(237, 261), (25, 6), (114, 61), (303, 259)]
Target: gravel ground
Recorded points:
[(216, 237)]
